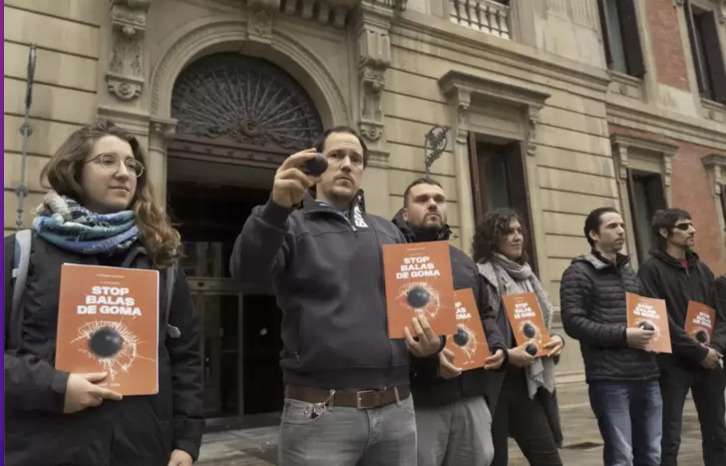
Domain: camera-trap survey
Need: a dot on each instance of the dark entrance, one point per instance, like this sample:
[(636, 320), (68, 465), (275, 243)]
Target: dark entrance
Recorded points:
[(238, 118)]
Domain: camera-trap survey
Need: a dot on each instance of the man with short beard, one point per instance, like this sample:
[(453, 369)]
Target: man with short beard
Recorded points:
[(675, 273), (453, 420), (622, 377), (347, 395)]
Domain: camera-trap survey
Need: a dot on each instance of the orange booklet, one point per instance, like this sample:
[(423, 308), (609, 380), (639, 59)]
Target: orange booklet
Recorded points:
[(525, 318), (419, 284), (650, 314), (108, 321), (700, 320), (469, 343)]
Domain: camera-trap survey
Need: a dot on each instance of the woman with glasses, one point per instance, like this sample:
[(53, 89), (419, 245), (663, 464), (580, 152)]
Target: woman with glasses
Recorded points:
[(526, 407), (101, 210)]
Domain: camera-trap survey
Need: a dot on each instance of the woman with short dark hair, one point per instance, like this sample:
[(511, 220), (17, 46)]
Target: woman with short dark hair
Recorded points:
[(527, 406)]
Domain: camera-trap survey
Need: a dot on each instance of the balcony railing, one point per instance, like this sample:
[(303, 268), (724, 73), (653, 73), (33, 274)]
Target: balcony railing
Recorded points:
[(483, 15)]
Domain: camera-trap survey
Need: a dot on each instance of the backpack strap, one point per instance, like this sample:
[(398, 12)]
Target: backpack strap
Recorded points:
[(21, 262), (171, 331)]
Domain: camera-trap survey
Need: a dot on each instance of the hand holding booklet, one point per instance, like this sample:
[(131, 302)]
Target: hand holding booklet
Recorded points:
[(108, 321), (469, 343)]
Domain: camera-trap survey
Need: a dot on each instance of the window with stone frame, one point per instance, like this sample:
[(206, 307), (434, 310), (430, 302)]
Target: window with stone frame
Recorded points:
[(646, 196), (707, 51), (621, 39), (499, 180), (644, 178)]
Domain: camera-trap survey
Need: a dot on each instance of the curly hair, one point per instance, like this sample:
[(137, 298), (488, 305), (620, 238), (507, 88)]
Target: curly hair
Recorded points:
[(63, 173), (491, 230)]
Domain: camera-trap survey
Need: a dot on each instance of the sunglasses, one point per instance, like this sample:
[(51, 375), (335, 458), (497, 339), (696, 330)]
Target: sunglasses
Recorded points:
[(683, 226)]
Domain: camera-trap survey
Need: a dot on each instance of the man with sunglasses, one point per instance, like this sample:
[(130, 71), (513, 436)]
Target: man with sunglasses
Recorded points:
[(675, 273)]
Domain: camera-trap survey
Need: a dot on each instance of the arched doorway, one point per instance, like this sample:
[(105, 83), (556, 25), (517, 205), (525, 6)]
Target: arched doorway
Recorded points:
[(238, 118)]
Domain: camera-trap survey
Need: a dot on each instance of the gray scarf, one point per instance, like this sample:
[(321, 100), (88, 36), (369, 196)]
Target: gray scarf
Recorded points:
[(508, 277)]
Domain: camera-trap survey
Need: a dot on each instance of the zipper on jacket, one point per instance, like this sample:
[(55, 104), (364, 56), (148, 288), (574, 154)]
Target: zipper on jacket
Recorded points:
[(383, 295)]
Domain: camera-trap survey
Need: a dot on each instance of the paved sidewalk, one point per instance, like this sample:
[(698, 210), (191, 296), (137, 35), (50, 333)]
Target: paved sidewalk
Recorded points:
[(583, 445)]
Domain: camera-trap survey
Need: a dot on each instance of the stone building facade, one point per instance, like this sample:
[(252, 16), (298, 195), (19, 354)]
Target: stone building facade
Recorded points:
[(555, 107)]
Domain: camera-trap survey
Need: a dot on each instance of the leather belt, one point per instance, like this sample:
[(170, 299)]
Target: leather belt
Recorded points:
[(361, 399)]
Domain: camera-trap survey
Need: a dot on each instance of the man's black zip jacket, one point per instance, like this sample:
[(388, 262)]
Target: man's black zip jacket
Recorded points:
[(666, 278), (427, 387), (326, 270)]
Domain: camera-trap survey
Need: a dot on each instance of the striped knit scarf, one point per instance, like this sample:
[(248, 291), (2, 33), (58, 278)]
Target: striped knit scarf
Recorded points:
[(65, 223)]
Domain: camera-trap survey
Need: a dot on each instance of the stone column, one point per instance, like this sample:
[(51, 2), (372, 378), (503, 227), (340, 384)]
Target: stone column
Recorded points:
[(460, 100), (161, 132)]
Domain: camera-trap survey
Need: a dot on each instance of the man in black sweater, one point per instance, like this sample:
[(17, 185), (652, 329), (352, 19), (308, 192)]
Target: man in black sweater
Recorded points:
[(347, 395), (622, 378), (453, 420), (675, 273)]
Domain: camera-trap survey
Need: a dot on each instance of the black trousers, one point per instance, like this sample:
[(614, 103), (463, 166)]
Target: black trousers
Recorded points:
[(707, 389), (525, 420)]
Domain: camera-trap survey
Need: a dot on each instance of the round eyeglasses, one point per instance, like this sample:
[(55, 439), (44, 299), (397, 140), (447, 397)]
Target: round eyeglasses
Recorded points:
[(111, 163)]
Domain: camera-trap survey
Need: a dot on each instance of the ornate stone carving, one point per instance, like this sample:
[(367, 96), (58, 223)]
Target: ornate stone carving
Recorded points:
[(678, 3), (125, 70), (246, 101), (372, 23), (194, 38), (532, 122), (259, 27)]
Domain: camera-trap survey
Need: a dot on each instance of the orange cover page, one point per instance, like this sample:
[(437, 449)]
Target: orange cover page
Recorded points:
[(651, 314), (108, 322), (700, 320), (469, 343), (525, 317), (419, 284)]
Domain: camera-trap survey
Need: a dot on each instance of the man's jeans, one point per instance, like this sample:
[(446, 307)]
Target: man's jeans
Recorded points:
[(630, 417), (707, 388), (344, 436), (455, 434)]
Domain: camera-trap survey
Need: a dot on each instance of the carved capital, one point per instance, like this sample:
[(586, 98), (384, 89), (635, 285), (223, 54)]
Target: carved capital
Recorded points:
[(678, 3), (124, 76), (162, 128), (371, 130), (129, 16), (124, 87)]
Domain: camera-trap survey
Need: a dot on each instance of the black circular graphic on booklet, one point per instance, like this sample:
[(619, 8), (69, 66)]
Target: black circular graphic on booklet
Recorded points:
[(105, 342), (461, 337), (532, 349), (702, 336), (418, 297), (316, 166), (528, 330), (646, 326)]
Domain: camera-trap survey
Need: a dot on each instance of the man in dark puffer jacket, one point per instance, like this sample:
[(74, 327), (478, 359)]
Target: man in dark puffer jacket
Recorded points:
[(622, 378), (676, 274)]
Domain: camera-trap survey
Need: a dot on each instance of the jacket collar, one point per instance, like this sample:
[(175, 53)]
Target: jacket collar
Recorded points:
[(401, 224), (310, 203), (596, 259), (691, 257)]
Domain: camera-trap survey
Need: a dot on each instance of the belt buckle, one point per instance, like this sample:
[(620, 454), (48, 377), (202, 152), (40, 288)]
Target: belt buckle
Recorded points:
[(360, 393)]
